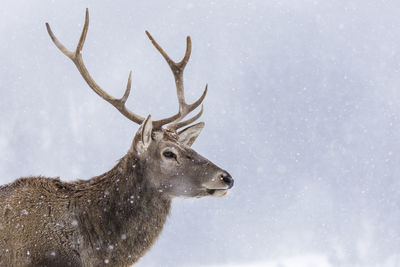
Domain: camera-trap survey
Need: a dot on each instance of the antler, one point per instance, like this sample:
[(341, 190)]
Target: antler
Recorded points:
[(119, 103), (76, 57), (177, 68)]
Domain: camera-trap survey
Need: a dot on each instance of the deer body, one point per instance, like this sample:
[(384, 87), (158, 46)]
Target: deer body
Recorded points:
[(110, 219), (114, 218)]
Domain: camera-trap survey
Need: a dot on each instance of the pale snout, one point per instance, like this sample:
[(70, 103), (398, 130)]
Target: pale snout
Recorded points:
[(219, 185)]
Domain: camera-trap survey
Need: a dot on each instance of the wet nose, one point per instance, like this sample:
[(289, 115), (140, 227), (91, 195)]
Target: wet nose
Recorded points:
[(227, 178)]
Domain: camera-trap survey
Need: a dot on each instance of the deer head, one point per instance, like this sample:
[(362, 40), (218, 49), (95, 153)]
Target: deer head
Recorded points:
[(171, 165)]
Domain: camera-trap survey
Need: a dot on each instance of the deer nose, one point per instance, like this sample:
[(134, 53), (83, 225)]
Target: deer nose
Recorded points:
[(227, 178)]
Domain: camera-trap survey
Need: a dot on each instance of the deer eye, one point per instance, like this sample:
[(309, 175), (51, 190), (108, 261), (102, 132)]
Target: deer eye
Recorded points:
[(169, 154)]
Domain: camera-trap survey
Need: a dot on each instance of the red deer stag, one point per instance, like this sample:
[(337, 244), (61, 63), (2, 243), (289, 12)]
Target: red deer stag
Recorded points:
[(113, 218)]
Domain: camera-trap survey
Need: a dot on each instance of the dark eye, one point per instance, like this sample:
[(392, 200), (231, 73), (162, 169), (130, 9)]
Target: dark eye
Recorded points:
[(169, 154)]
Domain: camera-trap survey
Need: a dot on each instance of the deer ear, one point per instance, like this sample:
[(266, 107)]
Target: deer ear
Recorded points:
[(143, 139), (188, 135)]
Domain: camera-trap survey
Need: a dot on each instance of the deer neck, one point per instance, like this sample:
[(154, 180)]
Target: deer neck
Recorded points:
[(124, 215)]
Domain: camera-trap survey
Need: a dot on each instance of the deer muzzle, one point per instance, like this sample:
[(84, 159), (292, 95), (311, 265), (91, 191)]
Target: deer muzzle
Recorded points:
[(220, 185)]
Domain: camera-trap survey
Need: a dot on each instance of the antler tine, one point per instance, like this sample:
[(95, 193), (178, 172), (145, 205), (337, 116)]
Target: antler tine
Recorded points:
[(76, 57), (83, 35), (128, 89), (175, 118), (197, 103), (177, 66), (177, 70), (177, 125)]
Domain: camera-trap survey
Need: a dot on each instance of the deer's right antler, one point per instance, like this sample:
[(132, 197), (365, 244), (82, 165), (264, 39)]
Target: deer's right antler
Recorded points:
[(177, 70), (174, 122)]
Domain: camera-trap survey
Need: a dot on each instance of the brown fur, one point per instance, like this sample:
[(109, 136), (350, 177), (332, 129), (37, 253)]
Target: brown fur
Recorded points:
[(113, 218)]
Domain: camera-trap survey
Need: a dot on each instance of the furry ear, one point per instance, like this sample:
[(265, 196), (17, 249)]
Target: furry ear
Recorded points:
[(188, 135), (142, 138)]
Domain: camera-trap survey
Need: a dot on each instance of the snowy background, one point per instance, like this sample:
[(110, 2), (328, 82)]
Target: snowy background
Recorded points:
[(303, 109)]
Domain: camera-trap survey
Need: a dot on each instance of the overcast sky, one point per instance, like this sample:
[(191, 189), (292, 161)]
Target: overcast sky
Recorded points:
[(303, 110)]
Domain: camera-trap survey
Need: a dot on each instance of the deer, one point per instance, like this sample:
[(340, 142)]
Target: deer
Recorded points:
[(114, 218)]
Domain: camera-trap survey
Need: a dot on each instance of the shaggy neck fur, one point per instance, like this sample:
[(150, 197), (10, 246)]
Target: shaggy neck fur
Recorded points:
[(120, 214)]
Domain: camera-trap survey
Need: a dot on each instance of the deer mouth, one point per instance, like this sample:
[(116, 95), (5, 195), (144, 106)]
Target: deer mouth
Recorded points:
[(217, 192)]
